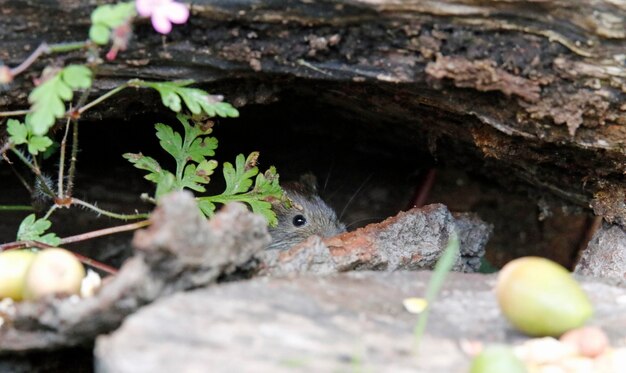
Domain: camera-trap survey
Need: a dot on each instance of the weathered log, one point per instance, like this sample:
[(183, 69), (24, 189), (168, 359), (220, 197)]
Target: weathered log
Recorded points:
[(180, 251), (524, 91)]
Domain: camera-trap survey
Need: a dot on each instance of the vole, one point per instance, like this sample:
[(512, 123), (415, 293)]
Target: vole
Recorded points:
[(308, 215)]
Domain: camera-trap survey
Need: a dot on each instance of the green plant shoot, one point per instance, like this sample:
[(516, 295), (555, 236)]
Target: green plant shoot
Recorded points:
[(442, 268)]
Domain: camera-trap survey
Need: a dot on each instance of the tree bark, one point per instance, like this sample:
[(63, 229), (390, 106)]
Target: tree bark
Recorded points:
[(529, 91)]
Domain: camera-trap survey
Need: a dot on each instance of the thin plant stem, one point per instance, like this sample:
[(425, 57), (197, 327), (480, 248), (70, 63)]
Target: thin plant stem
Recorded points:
[(105, 232), (21, 179), (41, 49), (50, 211), (42, 245), (36, 171), (16, 208), (73, 159), (68, 47), (76, 201), (102, 98), (62, 158), (45, 48), (13, 113)]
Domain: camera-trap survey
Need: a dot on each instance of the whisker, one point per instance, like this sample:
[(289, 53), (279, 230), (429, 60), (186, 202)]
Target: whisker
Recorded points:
[(330, 170), (355, 194), (362, 220)]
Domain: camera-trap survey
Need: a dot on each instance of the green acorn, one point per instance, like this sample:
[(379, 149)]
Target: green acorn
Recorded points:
[(541, 298)]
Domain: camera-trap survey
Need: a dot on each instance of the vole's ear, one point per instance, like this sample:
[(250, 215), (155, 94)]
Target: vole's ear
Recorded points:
[(309, 183)]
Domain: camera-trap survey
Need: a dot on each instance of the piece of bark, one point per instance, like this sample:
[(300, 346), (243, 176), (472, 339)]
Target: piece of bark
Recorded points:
[(335, 323), (179, 251), (410, 240), (605, 255)]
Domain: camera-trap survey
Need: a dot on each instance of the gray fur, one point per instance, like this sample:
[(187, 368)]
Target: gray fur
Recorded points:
[(321, 220)]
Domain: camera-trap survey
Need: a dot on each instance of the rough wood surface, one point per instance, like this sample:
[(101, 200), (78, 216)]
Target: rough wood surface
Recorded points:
[(339, 323), (529, 91)]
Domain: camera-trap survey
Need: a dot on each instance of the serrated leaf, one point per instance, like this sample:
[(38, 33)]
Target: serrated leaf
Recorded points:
[(32, 229), (17, 131), (264, 208), (196, 100), (166, 184), (238, 183), (191, 180), (201, 148), (99, 34), (77, 76), (238, 179), (146, 163), (48, 98), (171, 141), (207, 207), (38, 144), (196, 175)]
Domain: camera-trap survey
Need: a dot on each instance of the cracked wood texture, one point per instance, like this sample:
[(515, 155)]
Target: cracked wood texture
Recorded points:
[(530, 93)]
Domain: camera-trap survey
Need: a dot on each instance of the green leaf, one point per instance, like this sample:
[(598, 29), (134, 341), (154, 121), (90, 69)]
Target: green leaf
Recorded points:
[(196, 100), (166, 184), (48, 98), (38, 144), (18, 133), (238, 183), (77, 76), (196, 175), (201, 148), (171, 141), (107, 17), (146, 163), (239, 178), (207, 207), (99, 34), (32, 229)]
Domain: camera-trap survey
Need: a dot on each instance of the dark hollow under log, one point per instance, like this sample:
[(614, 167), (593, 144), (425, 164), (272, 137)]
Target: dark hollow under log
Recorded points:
[(527, 92)]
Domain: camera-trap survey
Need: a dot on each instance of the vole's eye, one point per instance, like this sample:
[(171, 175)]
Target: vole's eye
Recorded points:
[(299, 220)]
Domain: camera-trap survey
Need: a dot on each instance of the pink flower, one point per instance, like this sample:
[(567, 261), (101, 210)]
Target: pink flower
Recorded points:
[(163, 13)]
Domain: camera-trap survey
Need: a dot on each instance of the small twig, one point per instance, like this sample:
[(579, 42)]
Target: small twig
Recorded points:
[(96, 264), (76, 201), (62, 159), (21, 179), (45, 48), (74, 157), (105, 232)]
